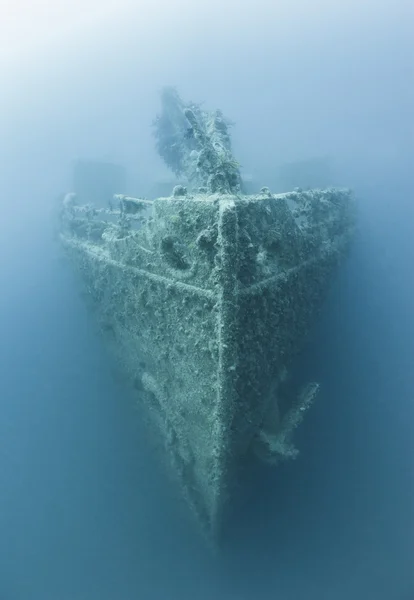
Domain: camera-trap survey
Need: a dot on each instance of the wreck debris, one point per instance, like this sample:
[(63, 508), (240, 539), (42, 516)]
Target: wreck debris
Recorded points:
[(196, 144), (274, 440)]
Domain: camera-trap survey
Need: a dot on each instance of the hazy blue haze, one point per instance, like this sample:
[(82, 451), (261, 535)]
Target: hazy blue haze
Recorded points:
[(85, 510)]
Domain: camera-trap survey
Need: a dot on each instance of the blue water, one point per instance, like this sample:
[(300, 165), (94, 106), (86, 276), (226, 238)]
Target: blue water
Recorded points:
[(86, 511)]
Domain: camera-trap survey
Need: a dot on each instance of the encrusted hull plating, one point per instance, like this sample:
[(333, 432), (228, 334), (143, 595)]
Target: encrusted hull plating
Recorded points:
[(204, 300)]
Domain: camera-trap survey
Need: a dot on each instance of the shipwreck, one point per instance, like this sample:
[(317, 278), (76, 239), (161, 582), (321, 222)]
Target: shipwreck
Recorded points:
[(205, 296)]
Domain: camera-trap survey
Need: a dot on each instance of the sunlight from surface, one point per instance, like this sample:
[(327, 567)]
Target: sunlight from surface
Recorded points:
[(28, 25)]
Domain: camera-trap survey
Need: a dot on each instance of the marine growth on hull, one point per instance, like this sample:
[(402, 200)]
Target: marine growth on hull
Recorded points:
[(204, 297)]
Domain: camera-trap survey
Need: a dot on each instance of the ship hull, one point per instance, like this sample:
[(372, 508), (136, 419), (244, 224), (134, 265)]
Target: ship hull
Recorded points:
[(204, 301)]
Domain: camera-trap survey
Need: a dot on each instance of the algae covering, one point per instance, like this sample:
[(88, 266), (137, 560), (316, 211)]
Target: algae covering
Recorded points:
[(204, 297), (204, 301)]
